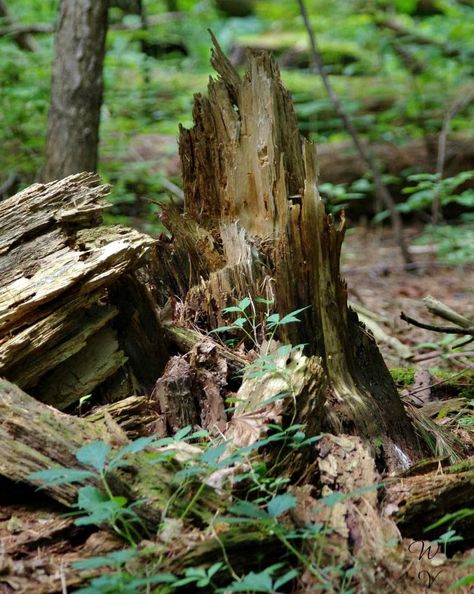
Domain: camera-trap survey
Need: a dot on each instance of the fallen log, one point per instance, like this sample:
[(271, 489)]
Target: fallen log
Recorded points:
[(340, 165), (35, 437), (73, 313), (416, 502)]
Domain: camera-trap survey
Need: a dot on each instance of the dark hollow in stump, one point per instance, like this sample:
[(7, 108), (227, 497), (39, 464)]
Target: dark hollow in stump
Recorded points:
[(254, 224)]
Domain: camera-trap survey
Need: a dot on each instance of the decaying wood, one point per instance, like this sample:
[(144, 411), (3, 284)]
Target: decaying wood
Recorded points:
[(36, 437), (136, 415), (345, 471), (186, 339), (39, 559), (443, 311), (77, 318), (293, 393), (254, 224), (190, 394), (68, 292), (463, 324), (418, 501)]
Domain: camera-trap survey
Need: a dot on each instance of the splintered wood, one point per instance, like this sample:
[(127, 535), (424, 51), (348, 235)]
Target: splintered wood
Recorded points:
[(60, 319), (254, 224)]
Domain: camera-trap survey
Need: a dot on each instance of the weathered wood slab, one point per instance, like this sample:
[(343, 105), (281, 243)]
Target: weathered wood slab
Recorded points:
[(61, 313)]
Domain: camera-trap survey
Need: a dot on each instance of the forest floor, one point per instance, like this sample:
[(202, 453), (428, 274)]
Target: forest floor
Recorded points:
[(38, 543), (373, 269)]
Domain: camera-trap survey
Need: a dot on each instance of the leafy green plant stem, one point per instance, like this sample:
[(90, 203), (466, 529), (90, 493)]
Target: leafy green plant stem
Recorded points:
[(193, 501), (126, 529), (309, 566)]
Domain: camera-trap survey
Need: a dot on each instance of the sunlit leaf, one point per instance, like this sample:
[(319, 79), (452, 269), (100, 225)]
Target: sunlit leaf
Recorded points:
[(246, 301), (247, 508)]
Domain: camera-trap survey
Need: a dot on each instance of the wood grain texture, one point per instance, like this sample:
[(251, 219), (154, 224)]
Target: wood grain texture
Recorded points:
[(251, 188), (68, 288)]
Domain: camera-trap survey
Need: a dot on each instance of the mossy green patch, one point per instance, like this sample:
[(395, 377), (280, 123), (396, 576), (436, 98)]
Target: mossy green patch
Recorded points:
[(403, 376)]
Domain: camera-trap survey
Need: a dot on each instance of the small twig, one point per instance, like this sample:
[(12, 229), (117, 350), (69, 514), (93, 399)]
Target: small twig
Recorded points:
[(427, 356), (174, 189), (411, 62), (381, 189), (419, 38), (385, 268), (15, 30), (443, 311), (443, 329), (8, 184)]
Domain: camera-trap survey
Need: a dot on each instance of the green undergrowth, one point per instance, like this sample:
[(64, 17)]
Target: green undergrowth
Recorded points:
[(255, 505), (249, 536), (260, 511), (444, 381), (403, 376), (151, 95)]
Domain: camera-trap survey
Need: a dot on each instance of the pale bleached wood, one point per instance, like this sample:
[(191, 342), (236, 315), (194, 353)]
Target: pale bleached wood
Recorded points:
[(68, 287)]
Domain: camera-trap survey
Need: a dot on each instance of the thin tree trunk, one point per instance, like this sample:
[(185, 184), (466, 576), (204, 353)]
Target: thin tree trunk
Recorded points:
[(76, 98)]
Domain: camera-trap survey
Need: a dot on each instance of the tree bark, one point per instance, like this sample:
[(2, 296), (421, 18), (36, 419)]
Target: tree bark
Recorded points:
[(77, 86)]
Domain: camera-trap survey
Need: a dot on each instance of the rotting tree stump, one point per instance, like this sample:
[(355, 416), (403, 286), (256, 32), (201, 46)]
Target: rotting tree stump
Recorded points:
[(254, 224), (74, 317)]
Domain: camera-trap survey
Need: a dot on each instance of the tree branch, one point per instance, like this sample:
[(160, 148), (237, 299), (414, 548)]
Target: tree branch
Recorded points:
[(21, 38), (381, 189), (443, 329)]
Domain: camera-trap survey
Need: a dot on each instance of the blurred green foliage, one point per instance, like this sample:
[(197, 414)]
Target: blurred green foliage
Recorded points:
[(395, 86)]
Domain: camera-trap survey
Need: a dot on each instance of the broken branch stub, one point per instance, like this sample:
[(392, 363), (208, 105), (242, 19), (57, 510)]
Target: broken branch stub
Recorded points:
[(258, 225)]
